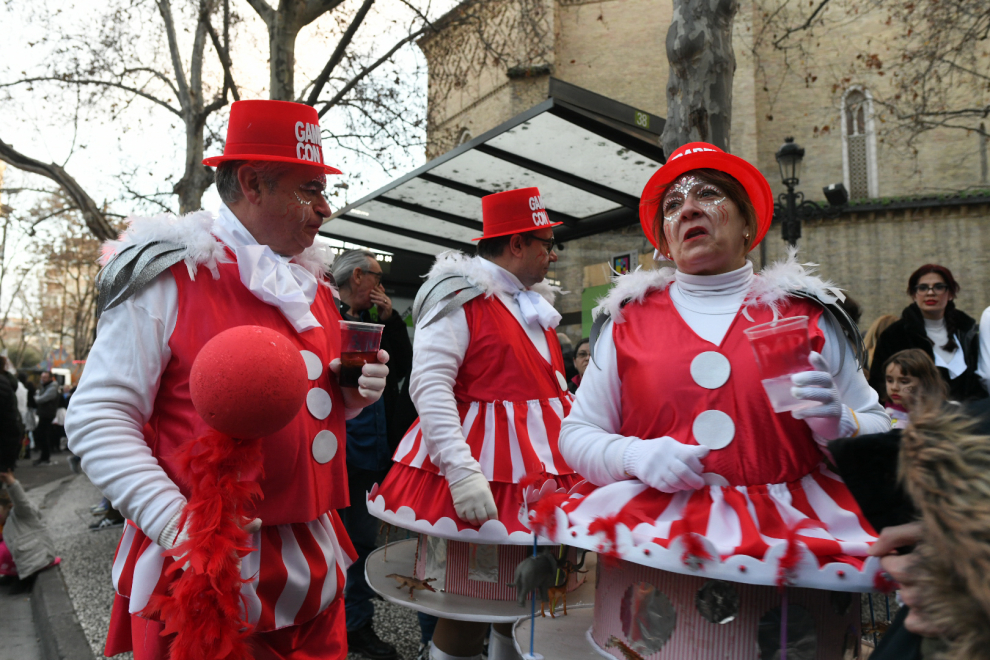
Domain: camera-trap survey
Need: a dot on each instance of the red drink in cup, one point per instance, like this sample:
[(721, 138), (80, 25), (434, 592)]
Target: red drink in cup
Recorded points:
[(359, 344), (781, 349)]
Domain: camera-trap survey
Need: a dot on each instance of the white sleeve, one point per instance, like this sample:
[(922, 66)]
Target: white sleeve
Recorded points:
[(983, 370), (114, 400), (589, 436), (854, 390), (438, 351)]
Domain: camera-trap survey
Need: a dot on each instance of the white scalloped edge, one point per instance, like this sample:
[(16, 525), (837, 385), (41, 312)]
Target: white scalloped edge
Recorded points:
[(738, 568), (491, 531)]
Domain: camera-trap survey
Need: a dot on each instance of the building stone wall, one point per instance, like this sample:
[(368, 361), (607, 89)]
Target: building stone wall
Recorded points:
[(617, 48)]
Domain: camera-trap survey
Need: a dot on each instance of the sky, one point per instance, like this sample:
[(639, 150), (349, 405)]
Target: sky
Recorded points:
[(145, 140), (139, 144)]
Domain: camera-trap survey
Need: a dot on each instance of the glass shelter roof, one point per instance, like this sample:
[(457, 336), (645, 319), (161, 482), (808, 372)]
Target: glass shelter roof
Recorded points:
[(590, 157)]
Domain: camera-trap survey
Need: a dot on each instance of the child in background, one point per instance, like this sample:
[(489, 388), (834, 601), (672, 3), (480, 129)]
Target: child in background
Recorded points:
[(24, 539), (908, 373)]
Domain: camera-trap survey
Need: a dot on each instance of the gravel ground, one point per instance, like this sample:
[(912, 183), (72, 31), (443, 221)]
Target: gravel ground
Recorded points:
[(87, 558)]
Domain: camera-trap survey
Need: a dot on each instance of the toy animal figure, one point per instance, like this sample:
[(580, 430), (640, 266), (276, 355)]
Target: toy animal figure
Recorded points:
[(538, 572), (624, 648), (555, 594), (411, 583)]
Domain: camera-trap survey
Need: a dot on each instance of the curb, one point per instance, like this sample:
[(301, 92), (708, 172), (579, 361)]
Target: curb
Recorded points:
[(55, 620)]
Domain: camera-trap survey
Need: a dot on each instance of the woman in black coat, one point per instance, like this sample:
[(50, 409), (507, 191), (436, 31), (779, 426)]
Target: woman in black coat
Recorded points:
[(933, 324)]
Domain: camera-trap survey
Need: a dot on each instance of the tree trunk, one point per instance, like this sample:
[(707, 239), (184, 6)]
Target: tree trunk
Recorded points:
[(282, 49), (699, 90), (197, 177)]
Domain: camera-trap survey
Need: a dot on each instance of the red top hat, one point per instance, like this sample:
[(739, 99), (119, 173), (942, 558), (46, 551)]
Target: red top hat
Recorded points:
[(514, 212), (273, 130), (701, 155)]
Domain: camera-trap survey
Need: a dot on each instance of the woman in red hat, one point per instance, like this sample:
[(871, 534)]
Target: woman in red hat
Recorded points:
[(697, 477)]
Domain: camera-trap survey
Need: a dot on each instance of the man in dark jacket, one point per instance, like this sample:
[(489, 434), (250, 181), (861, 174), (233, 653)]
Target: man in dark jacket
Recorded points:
[(369, 455), (47, 400)]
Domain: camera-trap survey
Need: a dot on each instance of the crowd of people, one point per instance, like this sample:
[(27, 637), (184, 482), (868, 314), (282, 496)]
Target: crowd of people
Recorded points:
[(454, 424)]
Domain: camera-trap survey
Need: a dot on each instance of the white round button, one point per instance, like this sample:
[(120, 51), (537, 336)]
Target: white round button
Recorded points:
[(324, 447), (713, 479), (314, 367), (561, 381), (710, 370), (714, 429), (319, 403)]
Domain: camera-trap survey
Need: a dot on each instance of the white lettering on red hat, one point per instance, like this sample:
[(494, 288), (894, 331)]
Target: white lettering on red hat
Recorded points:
[(540, 217), (309, 142), (536, 203), (691, 151)]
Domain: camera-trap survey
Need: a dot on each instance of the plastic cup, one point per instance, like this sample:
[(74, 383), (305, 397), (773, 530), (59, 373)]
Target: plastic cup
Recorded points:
[(359, 344), (782, 349)]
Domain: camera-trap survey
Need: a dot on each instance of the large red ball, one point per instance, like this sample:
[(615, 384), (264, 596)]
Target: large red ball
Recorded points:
[(248, 382)]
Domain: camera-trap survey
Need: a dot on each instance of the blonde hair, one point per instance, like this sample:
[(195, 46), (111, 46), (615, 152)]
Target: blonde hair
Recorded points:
[(873, 335)]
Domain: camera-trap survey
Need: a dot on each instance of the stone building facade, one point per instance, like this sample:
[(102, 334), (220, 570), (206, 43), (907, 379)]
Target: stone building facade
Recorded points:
[(824, 98)]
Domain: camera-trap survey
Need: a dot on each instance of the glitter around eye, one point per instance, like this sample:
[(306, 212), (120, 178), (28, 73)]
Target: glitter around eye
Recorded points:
[(300, 200)]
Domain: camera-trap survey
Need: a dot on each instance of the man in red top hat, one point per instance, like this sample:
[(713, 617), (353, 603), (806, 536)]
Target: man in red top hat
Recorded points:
[(488, 383), (171, 284)]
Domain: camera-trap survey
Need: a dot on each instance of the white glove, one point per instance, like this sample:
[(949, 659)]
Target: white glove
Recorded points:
[(172, 536), (831, 419), (371, 383), (473, 499), (666, 464)]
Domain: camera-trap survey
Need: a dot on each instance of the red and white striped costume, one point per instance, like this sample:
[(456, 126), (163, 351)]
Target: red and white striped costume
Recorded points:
[(296, 571), (510, 402), (765, 479)]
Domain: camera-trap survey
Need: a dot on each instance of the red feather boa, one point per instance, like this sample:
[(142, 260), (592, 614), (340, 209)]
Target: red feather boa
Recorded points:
[(203, 607), (792, 555)]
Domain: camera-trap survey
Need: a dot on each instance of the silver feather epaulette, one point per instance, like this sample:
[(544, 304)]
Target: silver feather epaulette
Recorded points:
[(435, 290), (132, 269)]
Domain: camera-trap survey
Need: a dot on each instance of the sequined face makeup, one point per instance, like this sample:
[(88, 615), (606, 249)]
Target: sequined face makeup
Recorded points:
[(708, 196)]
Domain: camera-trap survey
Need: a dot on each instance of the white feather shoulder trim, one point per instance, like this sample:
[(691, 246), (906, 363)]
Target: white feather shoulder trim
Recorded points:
[(191, 231), (479, 274), (194, 232), (769, 288)]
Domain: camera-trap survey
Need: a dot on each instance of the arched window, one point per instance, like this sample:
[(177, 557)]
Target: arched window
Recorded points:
[(859, 147)]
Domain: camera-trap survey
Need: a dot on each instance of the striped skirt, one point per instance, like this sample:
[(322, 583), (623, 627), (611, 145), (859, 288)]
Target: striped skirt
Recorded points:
[(293, 573)]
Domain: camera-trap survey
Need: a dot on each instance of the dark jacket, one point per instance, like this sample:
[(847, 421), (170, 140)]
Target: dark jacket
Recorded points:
[(397, 410), (909, 332), (47, 400), (11, 424)]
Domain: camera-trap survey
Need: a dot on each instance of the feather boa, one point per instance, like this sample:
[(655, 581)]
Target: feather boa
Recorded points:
[(203, 606), (194, 231), (769, 289), (453, 262)]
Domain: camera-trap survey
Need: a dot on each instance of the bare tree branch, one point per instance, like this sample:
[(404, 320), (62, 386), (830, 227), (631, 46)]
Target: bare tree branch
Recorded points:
[(105, 83), (264, 10), (804, 26), (228, 76), (313, 9), (368, 69), (338, 54), (165, 9), (93, 215)]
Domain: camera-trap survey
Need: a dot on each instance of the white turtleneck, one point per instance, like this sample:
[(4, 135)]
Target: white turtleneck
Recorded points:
[(590, 438), (939, 334), (709, 303)]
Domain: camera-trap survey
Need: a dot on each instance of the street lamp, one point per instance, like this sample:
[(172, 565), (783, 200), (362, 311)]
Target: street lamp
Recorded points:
[(791, 206)]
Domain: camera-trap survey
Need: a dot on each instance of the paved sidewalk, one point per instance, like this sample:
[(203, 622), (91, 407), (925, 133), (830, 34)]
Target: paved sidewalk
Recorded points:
[(19, 639)]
